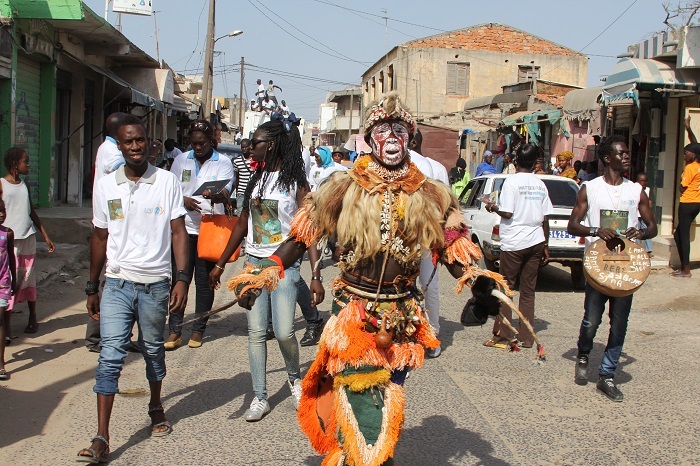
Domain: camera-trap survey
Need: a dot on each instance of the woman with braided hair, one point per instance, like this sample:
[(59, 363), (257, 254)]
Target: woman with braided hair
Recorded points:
[(385, 213), (273, 195)]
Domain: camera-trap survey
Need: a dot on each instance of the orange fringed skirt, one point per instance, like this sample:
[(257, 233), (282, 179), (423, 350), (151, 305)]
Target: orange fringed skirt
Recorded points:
[(350, 409)]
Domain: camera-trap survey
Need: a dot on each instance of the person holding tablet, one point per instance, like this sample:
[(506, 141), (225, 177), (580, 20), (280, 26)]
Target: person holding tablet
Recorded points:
[(203, 165)]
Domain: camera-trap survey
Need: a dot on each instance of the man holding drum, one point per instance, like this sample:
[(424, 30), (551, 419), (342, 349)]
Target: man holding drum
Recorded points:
[(605, 203)]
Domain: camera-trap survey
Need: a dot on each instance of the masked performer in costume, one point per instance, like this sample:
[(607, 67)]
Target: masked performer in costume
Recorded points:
[(384, 213)]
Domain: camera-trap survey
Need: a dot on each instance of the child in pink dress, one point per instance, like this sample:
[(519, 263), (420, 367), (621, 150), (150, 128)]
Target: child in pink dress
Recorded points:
[(7, 283)]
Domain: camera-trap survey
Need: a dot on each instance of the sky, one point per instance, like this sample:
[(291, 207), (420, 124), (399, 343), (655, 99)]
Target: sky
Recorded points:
[(311, 47)]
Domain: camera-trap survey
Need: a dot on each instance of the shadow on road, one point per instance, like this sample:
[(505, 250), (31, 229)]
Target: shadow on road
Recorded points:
[(621, 376), (444, 443)]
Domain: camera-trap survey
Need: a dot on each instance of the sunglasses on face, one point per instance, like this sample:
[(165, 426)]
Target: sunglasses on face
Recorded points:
[(254, 142)]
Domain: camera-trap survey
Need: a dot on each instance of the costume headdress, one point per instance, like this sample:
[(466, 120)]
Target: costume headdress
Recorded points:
[(389, 107)]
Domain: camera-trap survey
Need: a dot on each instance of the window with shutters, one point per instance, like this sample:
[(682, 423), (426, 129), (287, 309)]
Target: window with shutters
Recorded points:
[(457, 78), (527, 73)]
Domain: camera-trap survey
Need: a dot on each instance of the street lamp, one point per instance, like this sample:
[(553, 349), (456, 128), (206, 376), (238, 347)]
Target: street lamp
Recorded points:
[(230, 34), (208, 74)]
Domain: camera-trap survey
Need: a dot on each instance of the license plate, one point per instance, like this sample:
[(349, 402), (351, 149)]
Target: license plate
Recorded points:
[(561, 234)]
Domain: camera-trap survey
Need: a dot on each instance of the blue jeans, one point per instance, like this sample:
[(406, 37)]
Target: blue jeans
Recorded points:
[(122, 304), (282, 303), (619, 310)]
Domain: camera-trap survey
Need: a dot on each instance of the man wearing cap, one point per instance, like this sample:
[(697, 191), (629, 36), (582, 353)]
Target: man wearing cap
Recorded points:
[(379, 329), (485, 167)]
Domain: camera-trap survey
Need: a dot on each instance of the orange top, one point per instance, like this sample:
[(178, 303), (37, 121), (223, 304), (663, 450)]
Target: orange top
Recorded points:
[(690, 179)]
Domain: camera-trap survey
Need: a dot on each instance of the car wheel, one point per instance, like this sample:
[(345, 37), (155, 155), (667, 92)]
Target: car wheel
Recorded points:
[(577, 279), (485, 263)]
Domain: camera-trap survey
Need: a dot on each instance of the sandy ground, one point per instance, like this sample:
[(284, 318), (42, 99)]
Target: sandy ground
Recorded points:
[(473, 405)]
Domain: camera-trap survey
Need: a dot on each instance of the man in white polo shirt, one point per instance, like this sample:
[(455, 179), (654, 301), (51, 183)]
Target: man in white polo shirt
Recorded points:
[(138, 214)]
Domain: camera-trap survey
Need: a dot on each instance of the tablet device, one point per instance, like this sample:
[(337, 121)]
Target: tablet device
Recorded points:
[(214, 186)]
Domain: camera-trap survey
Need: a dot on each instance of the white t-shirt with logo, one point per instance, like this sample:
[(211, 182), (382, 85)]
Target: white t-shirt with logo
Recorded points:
[(269, 216), (526, 197), (192, 176), (137, 218), (608, 203)]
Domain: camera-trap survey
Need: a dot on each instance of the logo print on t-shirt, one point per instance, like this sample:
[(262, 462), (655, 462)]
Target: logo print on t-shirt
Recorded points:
[(114, 206), (267, 228)]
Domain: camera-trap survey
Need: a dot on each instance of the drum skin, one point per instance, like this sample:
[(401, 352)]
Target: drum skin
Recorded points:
[(617, 268)]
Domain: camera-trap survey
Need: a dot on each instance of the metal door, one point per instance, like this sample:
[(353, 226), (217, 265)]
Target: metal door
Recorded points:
[(27, 117)]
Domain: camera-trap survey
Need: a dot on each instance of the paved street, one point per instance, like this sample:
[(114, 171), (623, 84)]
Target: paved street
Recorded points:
[(473, 405)]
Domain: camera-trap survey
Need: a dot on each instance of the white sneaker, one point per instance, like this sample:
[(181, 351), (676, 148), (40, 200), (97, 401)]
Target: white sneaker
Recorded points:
[(258, 409), (296, 392)]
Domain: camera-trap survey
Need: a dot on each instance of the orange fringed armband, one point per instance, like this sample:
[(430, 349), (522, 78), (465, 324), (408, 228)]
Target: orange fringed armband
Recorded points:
[(253, 277), (462, 250), (302, 227)]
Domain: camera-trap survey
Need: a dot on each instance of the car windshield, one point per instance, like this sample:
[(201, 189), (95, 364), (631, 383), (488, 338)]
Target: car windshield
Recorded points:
[(562, 193)]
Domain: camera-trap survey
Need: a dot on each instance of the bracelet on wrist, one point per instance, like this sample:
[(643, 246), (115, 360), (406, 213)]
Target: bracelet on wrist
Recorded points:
[(182, 276), (219, 267), (319, 278)]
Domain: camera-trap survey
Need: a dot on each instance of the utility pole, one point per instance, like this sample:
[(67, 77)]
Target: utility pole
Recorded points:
[(386, 38), (208, 74), (240, 99), (155, 27), (352, 95)]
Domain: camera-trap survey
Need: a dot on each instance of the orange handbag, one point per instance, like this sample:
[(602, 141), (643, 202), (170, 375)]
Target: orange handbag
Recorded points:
[(214, 232)]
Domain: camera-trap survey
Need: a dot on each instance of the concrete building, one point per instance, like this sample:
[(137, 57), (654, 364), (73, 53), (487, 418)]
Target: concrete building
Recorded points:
[(63, 69), (345, 118), (438, 74)]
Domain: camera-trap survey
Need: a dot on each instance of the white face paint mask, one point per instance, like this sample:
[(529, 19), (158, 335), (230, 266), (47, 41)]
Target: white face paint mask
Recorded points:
[(389, 143)]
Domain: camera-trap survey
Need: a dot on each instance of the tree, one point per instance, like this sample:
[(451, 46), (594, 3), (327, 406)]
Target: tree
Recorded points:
[(679, 14)]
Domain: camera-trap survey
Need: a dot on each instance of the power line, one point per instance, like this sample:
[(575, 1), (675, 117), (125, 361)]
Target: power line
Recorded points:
[(594, 39), (300, 76), (379, 16), (199, 20), (358, 13), (295, 37), (312, 38)]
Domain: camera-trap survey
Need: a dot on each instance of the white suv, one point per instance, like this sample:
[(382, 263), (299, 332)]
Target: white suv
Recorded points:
[(564, 248)]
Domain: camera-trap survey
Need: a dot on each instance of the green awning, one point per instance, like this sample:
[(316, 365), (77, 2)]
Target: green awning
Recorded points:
[(47, 9)]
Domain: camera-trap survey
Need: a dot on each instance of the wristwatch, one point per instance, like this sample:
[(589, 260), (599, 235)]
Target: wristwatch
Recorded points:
[(182, 276), (594, 231), (319, 278), (92, 287)]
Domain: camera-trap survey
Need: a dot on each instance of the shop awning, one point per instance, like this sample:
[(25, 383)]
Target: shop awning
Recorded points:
[(519, 97), (137, 96), (580, 104), (532, 118), (629, 75)]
